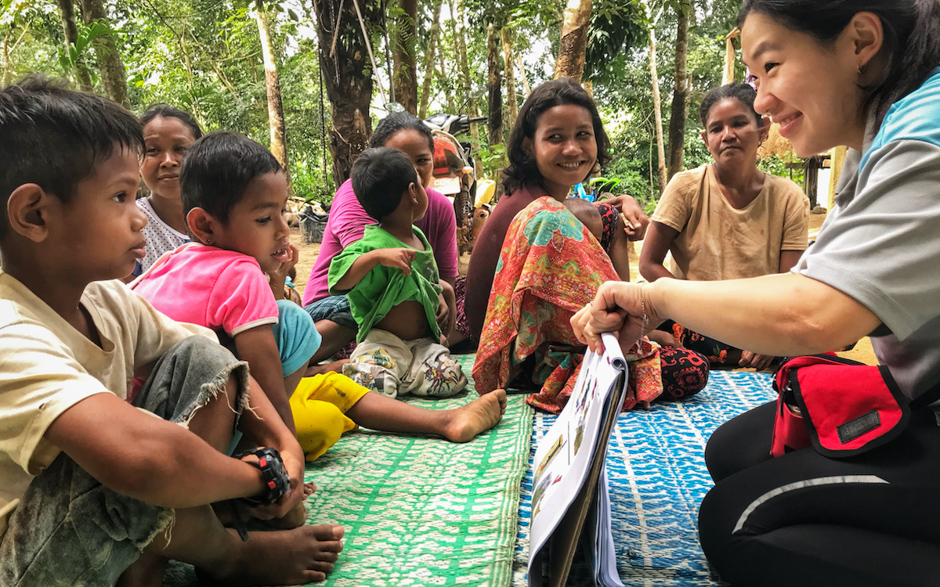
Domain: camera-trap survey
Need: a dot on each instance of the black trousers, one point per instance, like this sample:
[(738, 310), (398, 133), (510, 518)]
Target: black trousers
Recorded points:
[(806, 520)]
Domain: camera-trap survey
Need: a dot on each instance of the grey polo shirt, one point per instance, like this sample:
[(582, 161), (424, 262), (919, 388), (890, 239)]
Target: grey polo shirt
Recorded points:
[(881, 242)]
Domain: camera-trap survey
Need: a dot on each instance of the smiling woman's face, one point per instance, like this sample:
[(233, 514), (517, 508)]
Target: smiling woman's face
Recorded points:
[(811, 90), (731, 131)]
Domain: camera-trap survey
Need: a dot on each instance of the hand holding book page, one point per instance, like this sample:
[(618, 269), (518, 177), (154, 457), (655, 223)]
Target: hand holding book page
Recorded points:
[(568, 463)]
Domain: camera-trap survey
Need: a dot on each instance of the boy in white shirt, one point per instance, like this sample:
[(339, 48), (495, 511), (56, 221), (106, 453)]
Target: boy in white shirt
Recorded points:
[(79, 504)]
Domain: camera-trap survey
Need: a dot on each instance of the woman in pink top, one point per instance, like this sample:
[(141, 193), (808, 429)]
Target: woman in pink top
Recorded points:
[(347, 222)]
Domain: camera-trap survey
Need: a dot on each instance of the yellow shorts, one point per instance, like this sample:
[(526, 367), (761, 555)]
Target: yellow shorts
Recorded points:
[(319, 405)]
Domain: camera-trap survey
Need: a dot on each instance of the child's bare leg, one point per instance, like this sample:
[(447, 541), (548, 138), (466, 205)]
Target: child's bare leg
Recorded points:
[(335, 337), (462, 424), (215, 421), (290, 557), (147, 571), (292, 380)]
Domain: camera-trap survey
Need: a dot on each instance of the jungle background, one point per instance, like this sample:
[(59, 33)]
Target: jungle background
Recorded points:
[(310, 78)]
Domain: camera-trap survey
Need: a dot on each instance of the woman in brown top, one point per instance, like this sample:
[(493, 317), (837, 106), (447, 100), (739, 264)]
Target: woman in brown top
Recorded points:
[(726, 220)]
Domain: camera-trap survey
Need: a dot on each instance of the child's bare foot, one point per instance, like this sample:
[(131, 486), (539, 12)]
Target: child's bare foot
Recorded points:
[(294, 519), (289, 557), (478, 416), (334, 367)]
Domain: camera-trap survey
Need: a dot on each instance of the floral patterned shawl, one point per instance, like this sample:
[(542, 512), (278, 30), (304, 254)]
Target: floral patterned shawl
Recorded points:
[(550, 267)]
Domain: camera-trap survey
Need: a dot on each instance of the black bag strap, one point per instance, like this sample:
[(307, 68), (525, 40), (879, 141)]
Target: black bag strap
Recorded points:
[(927, 398)]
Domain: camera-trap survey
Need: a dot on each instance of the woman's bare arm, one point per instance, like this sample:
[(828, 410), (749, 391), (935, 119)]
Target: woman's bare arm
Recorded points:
[(659, 238)]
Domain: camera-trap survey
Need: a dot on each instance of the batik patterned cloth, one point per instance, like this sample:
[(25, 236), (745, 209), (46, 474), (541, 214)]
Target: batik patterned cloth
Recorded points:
[(550, 267)]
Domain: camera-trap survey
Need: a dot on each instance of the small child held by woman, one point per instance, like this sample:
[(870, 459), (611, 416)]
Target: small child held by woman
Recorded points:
[(392, 283), (544, 264)]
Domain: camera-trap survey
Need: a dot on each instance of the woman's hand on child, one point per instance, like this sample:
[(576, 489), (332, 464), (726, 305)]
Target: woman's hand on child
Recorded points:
[(400, 258), (636, 219)]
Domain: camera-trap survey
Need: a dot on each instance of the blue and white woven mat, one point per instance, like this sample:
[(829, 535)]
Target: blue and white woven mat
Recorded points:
[(656, 469)]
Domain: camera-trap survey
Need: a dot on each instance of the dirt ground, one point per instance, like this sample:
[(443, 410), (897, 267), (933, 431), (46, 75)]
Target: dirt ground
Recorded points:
[(308, 255)]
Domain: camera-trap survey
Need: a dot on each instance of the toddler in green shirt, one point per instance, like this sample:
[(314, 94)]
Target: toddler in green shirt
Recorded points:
[(393, 286)]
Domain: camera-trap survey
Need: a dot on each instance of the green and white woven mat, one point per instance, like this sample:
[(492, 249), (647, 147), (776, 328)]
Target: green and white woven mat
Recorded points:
[(423, 511)]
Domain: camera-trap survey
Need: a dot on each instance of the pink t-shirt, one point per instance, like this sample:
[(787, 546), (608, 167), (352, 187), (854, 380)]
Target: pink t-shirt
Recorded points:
[(221, 290), (348, 221)]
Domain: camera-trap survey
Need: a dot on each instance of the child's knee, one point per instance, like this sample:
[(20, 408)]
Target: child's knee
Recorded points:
[(319, 426), (189, 375), (375, 370)]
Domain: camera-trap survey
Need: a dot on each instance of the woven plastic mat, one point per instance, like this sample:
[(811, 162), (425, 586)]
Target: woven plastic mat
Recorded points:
[(657, 475), (417, 510)]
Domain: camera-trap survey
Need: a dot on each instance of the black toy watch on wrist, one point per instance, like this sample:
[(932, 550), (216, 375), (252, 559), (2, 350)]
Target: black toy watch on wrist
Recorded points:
[(275, 477)]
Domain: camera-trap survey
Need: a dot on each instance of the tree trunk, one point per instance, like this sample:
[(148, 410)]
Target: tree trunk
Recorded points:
[(109, 58), (657, 110), (429, 60), (7, 65), (494, 86), (573, 43), (404, 42), (67, 11), (460, 34), (838, 158), (347, 75), (272, 86), (509, 61), (443, 79), (680, 94), (525, 79)]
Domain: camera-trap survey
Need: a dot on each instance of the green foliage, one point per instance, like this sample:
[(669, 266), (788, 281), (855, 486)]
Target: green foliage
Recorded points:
[(69, 58), (205, 56), (776, 165), (633, 182), (617, 26), (492, 159)]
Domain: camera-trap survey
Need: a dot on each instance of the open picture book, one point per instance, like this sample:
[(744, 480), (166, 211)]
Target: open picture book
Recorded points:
[(570, 499)]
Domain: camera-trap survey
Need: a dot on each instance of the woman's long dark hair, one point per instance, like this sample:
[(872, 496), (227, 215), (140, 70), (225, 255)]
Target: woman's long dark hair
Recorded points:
[(522, 169), (743, 93), (911, 37), (163, 110), (396, 122)]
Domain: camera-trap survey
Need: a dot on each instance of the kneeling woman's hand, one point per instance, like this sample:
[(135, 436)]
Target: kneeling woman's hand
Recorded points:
[(619, 308)]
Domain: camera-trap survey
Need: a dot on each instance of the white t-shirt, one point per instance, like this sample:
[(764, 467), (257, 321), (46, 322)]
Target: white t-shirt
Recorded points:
[(47, 366), (161, 237)]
